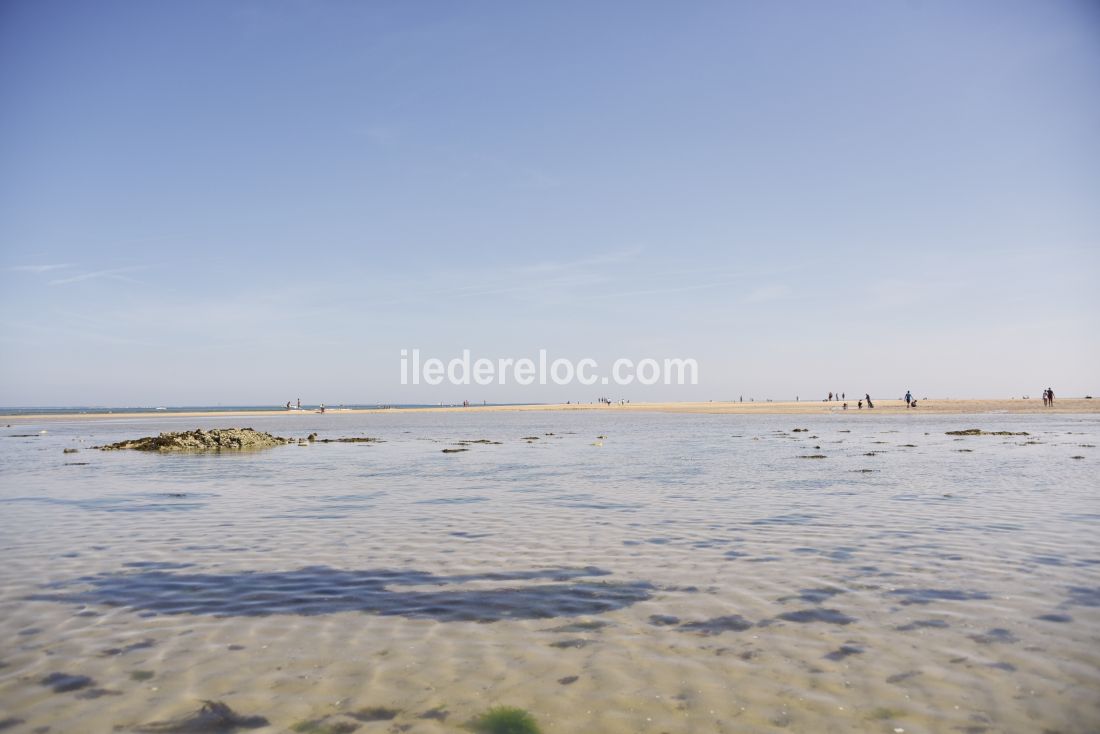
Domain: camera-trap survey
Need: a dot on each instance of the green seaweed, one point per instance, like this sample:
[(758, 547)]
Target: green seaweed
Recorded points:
[(504, 720), (140, 675)]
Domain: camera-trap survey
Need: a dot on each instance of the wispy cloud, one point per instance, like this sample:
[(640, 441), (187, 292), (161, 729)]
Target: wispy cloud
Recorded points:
[(35, 268), (766, 293), (111, 274)]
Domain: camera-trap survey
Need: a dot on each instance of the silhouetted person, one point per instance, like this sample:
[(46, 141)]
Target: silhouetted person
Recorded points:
[(908, 399), (861, 405), (867, 397), (1050, 397)]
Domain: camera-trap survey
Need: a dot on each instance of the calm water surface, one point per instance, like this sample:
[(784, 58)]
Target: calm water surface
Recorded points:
[(680, 574)]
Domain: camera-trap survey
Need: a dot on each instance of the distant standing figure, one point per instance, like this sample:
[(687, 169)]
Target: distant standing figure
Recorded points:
[(908, 399), (299, 403), (1044, 398), (861, 405), (843, 396), (1050, 397), (322, 407), (830, 396), (867, 397)]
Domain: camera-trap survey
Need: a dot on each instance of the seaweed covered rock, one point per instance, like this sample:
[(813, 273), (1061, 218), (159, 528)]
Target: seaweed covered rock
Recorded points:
[(216, 439)]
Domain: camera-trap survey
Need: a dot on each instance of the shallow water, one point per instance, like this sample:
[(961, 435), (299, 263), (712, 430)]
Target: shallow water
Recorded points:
[(682, 574)]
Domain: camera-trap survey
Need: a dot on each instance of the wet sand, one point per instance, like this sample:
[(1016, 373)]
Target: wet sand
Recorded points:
[(805, 407)]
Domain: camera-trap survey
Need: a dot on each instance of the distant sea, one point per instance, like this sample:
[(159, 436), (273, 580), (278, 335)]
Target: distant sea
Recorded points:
[(101, 410)]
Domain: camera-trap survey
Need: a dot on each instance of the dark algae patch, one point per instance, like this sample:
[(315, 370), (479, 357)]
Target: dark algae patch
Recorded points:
[(214, 716), (923, 623), (1058, 618), (817, 614), (663, 620), (844, 651), (980, 432), (437, 714), (1084, 596), (65, 682), (997, 634), (144, 644), (322, 590), (92, 693), (324, 726), (375, 713), (504, 720), (568, 680), (141, 675), (817, 595), (902, 677), (347, 439), (578, 642), (588, 626), (927, 596), (718, 625)]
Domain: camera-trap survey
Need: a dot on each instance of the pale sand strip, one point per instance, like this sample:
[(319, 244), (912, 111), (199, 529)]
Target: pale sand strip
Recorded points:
[(805, 407)]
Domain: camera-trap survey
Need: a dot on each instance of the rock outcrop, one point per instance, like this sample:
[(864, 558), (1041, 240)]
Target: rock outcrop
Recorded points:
[(216, 439)]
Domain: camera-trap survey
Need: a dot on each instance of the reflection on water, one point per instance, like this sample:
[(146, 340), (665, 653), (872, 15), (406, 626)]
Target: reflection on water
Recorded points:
[(679, 574)]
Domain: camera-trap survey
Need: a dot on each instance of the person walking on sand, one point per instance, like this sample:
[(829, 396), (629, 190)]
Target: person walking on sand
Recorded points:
[(908, 399), (867, 397)]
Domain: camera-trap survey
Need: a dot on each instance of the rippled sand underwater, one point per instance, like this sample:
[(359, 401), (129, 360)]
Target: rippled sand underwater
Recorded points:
[(607, 573)]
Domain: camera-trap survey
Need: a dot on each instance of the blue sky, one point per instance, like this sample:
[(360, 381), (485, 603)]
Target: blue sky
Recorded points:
[(247, 202)]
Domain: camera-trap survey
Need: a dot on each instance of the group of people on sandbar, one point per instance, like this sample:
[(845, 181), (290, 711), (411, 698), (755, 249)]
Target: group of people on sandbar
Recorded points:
[(1048, 398), (859, 404)]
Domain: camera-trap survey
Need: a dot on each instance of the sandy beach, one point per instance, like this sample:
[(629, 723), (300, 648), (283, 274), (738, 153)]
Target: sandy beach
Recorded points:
[(804, 407)]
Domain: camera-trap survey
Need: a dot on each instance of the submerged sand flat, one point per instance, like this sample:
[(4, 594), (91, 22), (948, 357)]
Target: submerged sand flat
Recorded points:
[(617, 571)]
